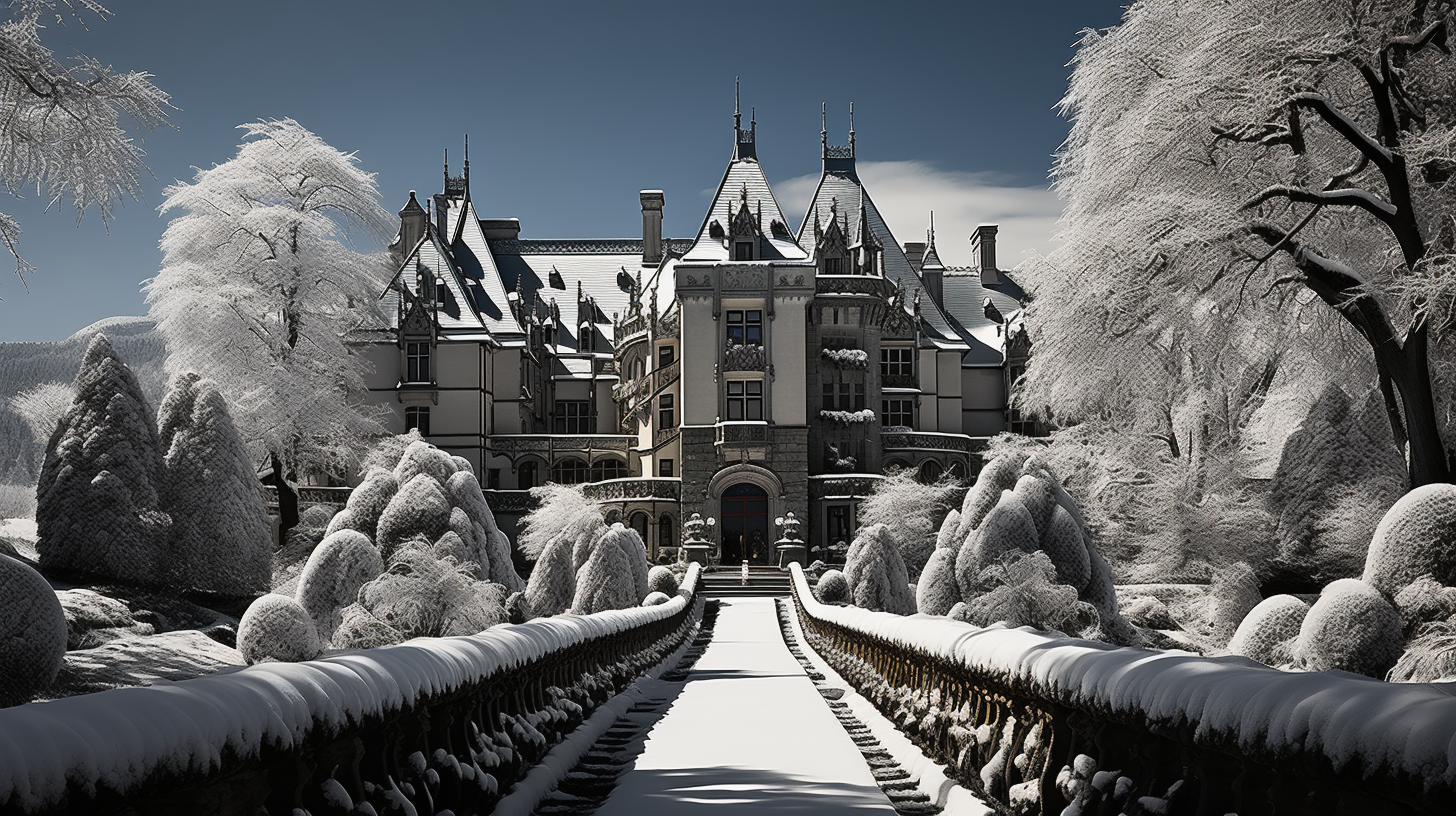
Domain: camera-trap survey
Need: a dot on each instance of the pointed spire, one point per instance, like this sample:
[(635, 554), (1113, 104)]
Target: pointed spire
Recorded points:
[(467, 165), (447, 167), (737, 117), (851, 130), (930, 236)]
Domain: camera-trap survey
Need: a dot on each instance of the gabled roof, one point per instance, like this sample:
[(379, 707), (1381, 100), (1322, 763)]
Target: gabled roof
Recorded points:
[(430, 259), (965, 299), (744, 182), (843, 190), (476, 264)]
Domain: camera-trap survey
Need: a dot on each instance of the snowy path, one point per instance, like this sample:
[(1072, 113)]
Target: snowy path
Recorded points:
[(748, 734)]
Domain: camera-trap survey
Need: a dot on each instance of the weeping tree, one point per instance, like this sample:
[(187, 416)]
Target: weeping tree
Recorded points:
[(1257, 187), (262, 285)]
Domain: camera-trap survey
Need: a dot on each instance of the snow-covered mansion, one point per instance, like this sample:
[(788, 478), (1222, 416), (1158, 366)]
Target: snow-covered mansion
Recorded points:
[(753, 369)]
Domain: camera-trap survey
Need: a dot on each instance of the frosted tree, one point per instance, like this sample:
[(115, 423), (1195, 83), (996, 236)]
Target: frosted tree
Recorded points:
[(221, 536), (42, 408), (1290, 203), (876, 573), (560, 509), (605, 581), (261, 286), (96, 500), (911, 510), (62, 133)]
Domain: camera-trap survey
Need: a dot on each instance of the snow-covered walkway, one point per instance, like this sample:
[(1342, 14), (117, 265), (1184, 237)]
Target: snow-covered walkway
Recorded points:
[(748, 734)]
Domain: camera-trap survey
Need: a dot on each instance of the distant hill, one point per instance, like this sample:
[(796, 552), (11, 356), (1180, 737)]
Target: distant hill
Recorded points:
[(26, 365)]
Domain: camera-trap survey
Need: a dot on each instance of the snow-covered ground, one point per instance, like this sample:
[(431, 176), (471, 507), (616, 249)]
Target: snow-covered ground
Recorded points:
[(749, 734)]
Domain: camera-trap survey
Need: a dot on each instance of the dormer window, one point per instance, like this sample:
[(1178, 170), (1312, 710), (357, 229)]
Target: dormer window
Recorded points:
[(743, 251)]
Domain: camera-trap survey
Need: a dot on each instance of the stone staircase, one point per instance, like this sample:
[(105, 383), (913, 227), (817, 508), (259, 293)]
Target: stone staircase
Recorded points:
[(727, 582)]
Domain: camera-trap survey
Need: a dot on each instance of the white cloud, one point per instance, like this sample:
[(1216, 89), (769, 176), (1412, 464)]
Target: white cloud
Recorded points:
[(907, 191)]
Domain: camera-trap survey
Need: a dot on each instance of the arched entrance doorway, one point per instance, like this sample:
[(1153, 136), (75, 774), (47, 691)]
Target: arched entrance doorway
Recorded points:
[(745, 525)]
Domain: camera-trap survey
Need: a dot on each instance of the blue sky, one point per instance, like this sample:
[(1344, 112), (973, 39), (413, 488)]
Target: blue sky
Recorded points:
[(574, 107)]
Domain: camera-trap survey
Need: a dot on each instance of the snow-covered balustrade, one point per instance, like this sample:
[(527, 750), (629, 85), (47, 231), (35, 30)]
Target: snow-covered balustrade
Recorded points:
[(428, 725), (1047, 724)]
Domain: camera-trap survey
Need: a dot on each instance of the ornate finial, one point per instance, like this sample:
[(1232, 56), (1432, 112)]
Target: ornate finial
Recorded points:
[(447, 164), (823, 130), (467, 163), (737, 117), (753, 118), (851, 130)]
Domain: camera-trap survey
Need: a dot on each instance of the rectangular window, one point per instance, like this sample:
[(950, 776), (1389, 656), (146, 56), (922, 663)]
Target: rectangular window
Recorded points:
[(745, 400), (664, 412), (837, 523), (417, 417), (664, 356), (896, 362), (745, 327), (743, 251), (573, 416), (417, 362), (897, 413), (828, 404), (664, 467), (833, 266), (859, 396)]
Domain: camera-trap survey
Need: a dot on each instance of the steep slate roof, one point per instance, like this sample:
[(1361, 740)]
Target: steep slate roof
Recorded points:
[(458, 312), (965, 297), (844, 188), (744, 175)]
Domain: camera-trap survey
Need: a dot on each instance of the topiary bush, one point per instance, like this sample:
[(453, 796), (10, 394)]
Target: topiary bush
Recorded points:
[(1268, 632), (341, 564), (1424, 601), (463, 490), (32, 632), (276, 628), (1352, 628), (655, 599), (1007, 527), (662, 579), (1065, 543), (552, 584), (1021, 590), (423, 458), (832, 588), (367, 502), (633, 549), (876, 573), (1234, 593), (606, 580), (1416, 537), (418, 509), (937, 590)]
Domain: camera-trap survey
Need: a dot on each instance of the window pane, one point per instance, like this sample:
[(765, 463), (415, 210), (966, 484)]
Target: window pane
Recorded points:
[(755, 387), (755, 410), (735, 410)]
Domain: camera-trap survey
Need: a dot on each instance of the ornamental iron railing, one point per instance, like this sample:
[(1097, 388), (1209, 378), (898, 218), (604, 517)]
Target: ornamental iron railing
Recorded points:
[(925, 440)]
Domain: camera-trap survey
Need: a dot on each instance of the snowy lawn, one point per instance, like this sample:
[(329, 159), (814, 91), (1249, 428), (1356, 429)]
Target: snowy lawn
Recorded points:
[(749, 734)]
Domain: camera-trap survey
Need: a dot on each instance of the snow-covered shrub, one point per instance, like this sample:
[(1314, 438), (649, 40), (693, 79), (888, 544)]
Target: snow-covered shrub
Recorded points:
[(552, 583), (343, 562), (1424, 601), (17, 501), (1269, 631), (32, 632), (560, 509), (832, 588), (1065, 543), (910, 510), (360, 629), (221, 536), (1351, 627), (316, 517), (462, 465), (367, 502), (1416, 537), (1021, 590), (1234, 593), (946, 537), (277, 628), (662, 579), (606, 580), (387, 452), (1036, 494), (633, 549), (655, 599), (1007, 527), (418, 509), (463, 491), (1430, 656), (876, 573), (470, 545), (427, 593), (997, 475), (97, 508), (937, 590), (422, 457)]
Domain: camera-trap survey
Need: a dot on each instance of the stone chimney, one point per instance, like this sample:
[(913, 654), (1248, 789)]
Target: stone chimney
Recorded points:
[(983, 250), (915, 250), (411, 225), (652, 201)]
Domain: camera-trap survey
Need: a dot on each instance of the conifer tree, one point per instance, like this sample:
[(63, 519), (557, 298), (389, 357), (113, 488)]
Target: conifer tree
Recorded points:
[(96, 500)]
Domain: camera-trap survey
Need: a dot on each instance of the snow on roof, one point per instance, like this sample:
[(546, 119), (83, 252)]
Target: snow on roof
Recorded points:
[(458, 298), (123, 737), (1265, 711), (475, 262), (843, 190), (744, 181)]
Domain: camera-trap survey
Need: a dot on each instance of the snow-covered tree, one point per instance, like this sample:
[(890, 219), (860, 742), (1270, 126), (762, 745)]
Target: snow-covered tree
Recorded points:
[(911, 510), (560, 509), (221, 536), (42, 408), (261, 287), (1254, 184), (552, 584), (96, 500), (337, 568), (32, 632), (62, 131), (605, 581), (876, 573)]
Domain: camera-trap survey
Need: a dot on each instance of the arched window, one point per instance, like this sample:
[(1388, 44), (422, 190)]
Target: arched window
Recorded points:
[(569, 471), (930, 470), (608, 469), (526, 476), (665, 534), (639, 522)]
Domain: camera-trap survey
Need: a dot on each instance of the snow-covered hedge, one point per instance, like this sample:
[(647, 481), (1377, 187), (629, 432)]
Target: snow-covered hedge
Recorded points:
[(115, 740), (1271, 715)]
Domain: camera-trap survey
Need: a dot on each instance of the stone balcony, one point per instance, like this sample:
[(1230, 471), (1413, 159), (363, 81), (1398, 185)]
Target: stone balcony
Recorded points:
[(635, 488), (546, 444), (902, 440)]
